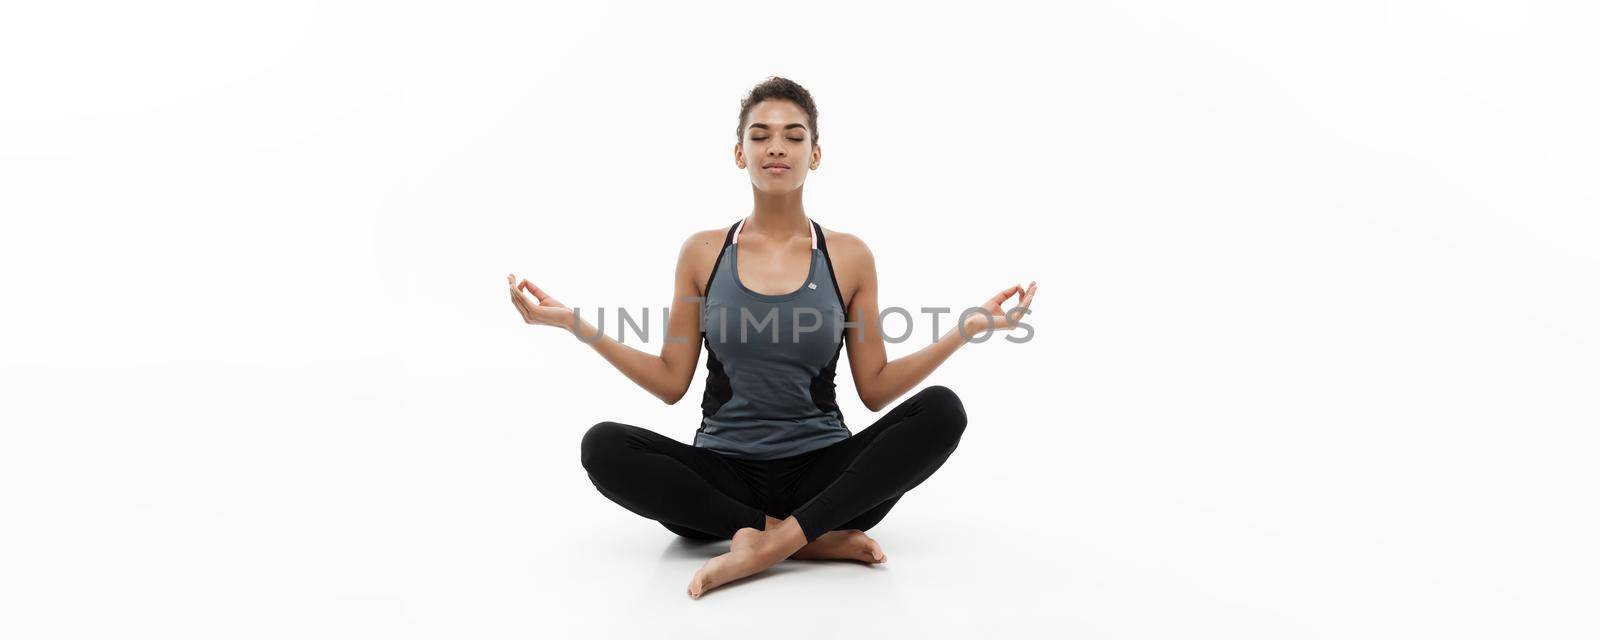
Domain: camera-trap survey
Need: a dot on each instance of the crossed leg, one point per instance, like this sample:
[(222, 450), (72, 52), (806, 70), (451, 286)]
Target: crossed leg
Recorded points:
[(693, 492), (853, 482), (849, 487), (700, 495)]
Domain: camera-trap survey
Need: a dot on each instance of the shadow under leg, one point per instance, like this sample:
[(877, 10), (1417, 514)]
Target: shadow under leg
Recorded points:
[(692, 534)]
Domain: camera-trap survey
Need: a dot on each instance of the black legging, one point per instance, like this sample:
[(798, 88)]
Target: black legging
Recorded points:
[(851, 484)]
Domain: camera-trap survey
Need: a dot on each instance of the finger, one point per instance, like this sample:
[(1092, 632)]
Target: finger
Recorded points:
[(544, 298), (521, 302), (1002, 296), (536, 291), (522, 308), (1027, 298)]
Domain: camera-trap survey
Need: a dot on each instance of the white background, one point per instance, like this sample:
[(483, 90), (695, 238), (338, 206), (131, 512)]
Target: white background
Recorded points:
[(1316, 332)]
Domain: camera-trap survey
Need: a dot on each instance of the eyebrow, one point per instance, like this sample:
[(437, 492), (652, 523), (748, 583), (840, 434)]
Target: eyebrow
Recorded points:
[(792, 125)]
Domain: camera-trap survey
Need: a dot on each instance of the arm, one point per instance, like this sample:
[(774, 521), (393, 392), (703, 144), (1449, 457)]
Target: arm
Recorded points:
[(878, 380), (667, 375)]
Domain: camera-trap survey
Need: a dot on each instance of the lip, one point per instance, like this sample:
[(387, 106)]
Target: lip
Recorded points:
[(775, 167)]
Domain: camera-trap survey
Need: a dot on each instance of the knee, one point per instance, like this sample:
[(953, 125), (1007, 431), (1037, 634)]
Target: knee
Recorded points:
[(946, 406), (598, 443)]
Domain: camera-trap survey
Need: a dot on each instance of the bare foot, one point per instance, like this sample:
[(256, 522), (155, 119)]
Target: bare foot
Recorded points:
[(838, 545), (740, 561), (848, 544), (751, 551)]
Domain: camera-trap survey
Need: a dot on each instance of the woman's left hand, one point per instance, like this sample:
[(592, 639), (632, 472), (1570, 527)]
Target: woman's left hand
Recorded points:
[(976, 323)]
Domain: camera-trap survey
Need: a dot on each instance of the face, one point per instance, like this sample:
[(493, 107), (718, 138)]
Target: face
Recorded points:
[(776, 136)]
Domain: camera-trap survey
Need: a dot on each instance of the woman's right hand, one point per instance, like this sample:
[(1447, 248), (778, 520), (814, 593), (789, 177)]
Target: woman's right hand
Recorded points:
[(543, 309)]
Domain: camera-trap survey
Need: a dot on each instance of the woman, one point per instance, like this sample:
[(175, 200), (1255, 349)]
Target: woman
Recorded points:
[(773, 467)]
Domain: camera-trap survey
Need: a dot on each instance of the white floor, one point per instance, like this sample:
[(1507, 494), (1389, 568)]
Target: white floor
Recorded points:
[(258, 514)]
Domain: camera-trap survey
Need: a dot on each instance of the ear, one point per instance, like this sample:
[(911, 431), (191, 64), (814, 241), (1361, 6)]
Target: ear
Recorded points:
[(738, 154), (816, 155)]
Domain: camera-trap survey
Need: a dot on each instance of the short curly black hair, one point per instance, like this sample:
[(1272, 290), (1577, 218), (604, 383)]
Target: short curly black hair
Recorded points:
[(779, 88)]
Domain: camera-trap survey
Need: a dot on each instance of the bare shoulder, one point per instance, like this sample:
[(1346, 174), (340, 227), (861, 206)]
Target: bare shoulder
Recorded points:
[(699, 253), (847, 248), (852, 262), (707, 240)]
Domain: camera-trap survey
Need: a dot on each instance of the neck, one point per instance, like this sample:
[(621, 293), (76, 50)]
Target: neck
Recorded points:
[(779, 216)]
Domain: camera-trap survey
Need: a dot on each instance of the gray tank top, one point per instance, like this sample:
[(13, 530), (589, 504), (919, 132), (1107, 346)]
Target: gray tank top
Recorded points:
[(769, 381)]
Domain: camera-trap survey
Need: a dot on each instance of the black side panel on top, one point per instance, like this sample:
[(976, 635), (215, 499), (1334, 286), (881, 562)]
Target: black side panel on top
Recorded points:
[(718, 388), (824, 392)]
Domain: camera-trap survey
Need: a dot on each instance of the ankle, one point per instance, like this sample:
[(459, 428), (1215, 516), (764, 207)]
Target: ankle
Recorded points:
[(786, 537)]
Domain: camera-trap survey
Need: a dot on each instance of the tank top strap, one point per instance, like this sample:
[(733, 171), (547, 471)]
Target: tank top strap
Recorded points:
[(728, 239), (819, 242)]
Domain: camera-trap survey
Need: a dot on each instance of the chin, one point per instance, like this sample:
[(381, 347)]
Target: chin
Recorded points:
[(777, 182)]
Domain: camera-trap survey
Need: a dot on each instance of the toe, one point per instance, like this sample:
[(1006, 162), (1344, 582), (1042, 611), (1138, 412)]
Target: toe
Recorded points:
[(697, 584)]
